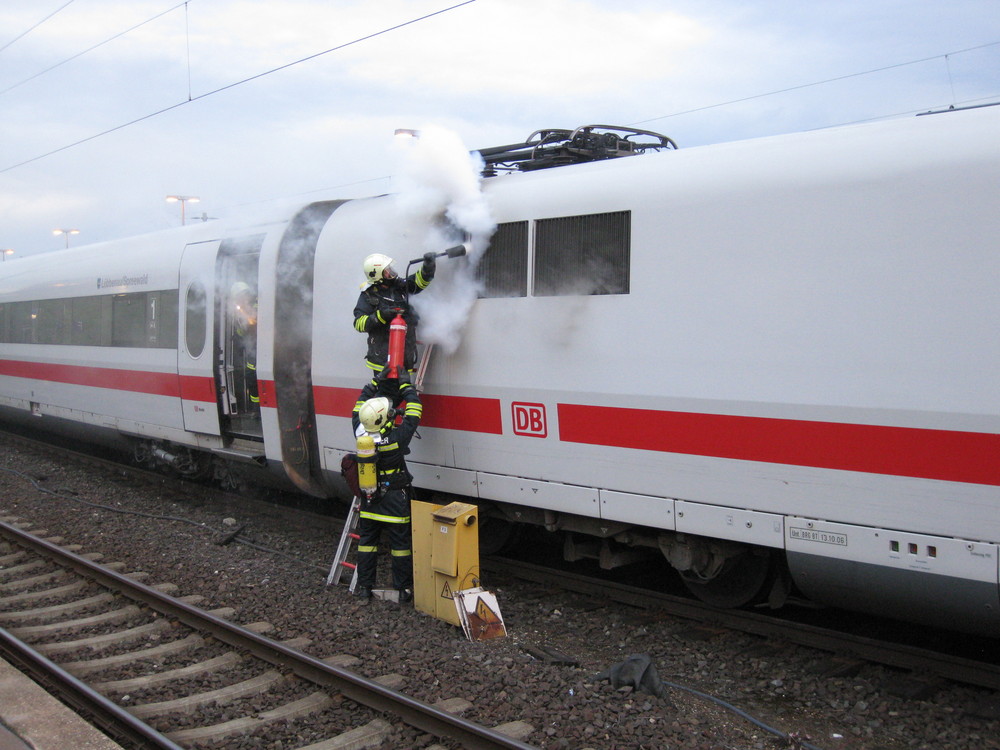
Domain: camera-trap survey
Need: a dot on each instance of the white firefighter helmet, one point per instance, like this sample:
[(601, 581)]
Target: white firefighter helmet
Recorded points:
[(374, 413), (375, 266)]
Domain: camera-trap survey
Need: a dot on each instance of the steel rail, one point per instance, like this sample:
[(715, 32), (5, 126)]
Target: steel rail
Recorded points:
[(363, 691), (107, 715)]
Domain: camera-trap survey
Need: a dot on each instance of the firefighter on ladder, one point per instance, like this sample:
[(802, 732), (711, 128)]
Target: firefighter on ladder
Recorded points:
[(384, 294), (388, 508)]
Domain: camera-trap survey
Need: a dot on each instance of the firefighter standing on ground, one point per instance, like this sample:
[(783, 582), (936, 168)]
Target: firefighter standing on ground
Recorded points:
[(389, 506), (384, 292)]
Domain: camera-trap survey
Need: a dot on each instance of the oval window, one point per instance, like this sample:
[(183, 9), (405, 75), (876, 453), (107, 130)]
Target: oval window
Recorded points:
[(195, 319)]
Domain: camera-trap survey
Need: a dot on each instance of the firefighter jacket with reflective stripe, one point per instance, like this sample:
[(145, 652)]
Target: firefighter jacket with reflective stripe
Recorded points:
[(391, 503), (383, 295)]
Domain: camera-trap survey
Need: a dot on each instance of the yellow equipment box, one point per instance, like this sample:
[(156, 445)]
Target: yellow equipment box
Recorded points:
[(445, 556)]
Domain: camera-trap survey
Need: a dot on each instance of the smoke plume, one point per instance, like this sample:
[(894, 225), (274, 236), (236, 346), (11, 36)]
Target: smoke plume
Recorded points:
[(440, 204)]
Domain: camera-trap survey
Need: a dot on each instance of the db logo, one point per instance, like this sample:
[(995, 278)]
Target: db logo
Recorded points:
[(529, 419)]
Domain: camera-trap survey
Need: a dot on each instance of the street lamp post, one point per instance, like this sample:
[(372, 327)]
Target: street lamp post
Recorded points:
[(6, 252), (66, 233), (183, 200)]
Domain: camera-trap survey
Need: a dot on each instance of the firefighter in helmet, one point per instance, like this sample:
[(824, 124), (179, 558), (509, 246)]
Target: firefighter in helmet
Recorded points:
[(244, 303), (384, 294), (388, 508)]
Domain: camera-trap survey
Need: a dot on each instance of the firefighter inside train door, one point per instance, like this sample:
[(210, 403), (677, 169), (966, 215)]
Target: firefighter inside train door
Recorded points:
[(238, 338)]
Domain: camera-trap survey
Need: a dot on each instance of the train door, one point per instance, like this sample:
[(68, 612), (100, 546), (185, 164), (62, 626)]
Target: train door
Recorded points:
[(236, 332), (195, 352)]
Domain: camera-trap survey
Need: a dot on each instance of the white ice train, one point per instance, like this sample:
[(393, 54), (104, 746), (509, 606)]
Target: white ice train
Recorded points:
[(774, 361)]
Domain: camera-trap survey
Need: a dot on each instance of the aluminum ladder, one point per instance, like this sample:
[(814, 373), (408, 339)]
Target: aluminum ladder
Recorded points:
[(350, 534)]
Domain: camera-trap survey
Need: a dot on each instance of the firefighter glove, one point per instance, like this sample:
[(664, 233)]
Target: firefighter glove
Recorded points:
[(430, 263), (386, 314)]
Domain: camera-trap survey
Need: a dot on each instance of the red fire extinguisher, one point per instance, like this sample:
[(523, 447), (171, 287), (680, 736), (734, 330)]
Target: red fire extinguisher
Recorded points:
[(397, 346)]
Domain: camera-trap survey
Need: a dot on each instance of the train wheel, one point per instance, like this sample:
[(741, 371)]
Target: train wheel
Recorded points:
[(496, 534), (744, 579)]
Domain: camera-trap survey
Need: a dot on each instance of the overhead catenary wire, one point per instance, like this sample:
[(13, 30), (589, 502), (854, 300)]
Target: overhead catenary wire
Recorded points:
[(28, 31), (229, 86), (945, 56), (96, 46)]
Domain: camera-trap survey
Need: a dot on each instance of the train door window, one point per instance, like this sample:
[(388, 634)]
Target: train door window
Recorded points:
[(503, 269), (195, 320), (128, 320), (582, 255)]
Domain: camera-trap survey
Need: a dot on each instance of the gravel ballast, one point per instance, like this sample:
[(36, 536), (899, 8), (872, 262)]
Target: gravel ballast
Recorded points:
[(567, 704)]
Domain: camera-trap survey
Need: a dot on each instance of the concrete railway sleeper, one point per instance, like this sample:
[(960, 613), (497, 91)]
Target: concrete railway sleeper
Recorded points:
[(74, 634)]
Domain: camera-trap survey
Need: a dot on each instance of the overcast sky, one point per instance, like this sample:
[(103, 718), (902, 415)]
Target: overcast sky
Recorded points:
[(492, 71)]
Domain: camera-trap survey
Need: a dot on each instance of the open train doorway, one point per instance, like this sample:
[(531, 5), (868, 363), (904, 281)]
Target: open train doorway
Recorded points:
[(237, 279)]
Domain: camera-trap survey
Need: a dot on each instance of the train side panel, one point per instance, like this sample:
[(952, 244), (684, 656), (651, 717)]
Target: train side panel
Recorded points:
[(805, 335)]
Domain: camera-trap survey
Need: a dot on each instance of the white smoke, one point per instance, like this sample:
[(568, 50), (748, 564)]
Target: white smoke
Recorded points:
[(440, 204)]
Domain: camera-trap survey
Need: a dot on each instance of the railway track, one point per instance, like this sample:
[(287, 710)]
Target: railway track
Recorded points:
[(921, 662), (71, 622)]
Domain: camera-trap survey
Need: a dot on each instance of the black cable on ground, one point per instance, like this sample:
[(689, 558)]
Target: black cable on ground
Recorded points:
[(793, 741)]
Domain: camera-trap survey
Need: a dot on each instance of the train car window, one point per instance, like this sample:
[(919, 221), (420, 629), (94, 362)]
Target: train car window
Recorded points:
[(582, 255), (503, 269), (161, 320), (195, 319), (4, 335), (128, 320), (52, 321), (21, 322), (91, 318)]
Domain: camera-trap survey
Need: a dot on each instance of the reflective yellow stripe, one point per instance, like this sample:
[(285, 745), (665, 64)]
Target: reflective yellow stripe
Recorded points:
[(251, 366), (401, 553), (385, 519), (422, 283), (414, 410), (360, 323), (366, 548), (255, 399), (388, 446)]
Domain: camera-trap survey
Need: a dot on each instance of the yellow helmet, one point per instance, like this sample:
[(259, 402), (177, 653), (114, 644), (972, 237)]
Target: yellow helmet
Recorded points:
[(377, 267), (374, 413)]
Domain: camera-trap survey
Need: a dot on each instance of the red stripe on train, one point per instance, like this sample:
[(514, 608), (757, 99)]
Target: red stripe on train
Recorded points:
[(135, 381), (970, 457), (448, 412)]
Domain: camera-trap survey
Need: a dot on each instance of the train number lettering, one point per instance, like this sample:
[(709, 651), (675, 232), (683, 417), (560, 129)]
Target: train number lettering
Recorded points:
[(811, 535), (529, 419)]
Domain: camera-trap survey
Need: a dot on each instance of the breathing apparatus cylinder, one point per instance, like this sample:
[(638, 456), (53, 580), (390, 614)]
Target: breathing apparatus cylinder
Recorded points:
[(397, 346), (367, 475)]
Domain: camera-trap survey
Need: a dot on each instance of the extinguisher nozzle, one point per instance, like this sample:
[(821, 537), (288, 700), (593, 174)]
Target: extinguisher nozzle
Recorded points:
[(457, 251)]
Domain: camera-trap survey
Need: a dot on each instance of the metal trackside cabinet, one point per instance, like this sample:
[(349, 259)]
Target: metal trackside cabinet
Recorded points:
[(445, 556)]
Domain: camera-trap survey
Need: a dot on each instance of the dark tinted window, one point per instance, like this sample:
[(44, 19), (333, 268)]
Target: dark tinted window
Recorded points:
[(503, 269), (579, 255)]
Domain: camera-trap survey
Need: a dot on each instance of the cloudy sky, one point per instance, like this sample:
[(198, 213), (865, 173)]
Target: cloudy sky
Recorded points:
[(108, 106)]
